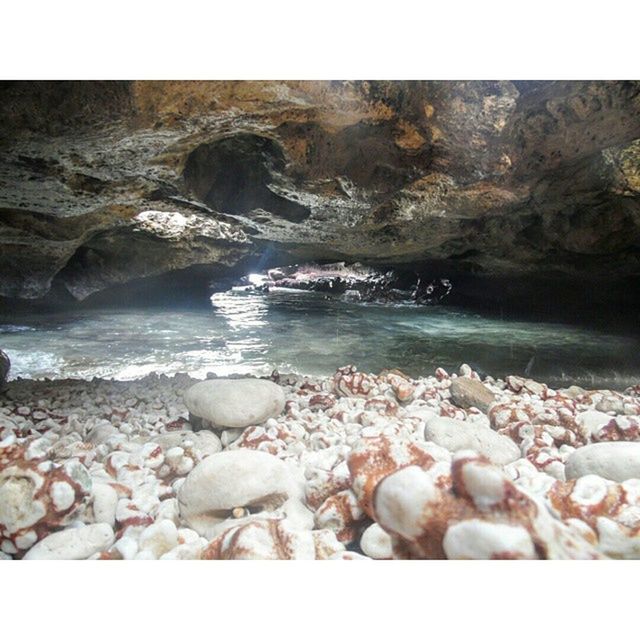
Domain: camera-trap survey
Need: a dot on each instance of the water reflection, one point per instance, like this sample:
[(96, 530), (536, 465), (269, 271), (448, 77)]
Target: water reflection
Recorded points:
[(249, 332)]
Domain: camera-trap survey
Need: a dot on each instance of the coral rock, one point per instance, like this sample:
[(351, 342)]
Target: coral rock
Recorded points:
[(36, 497), (419, 508)]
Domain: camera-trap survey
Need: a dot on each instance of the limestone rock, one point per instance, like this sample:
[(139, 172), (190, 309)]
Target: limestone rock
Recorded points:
[(267, 539), (467, 392), (482, 540), (618, 461), (470, 509), (235, 404), (204, 443), (399, 171)]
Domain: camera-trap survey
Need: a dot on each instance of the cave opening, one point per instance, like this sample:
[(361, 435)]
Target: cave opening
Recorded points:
[(236, 175)]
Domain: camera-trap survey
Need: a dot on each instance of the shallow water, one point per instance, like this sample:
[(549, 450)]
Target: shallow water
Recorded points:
[(248, 332)]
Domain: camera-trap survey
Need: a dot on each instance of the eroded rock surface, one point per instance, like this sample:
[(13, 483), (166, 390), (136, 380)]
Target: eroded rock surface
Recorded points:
[(102, 183)]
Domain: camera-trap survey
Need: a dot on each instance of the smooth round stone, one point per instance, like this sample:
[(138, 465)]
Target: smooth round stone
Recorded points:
[(73, 544), (376, 542), (617, 461), (235, 404), (456, 435), (238, 481)]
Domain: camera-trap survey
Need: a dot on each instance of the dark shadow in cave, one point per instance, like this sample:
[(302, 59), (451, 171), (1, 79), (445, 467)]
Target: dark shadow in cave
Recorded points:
[(233, 174)]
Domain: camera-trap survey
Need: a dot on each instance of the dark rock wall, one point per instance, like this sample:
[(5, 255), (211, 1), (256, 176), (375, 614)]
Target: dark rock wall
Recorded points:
[(102, 183)]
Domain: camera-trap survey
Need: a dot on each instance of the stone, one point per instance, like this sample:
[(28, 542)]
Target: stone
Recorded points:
[(376, 543), (592, 421), (618, 461), (252, 480), (235, 404), (159, 538), (37, 496), (105, 502), (467, 393), (5, 366), (73, 543), (268, 539), (456, 435), (203, 443), (482, 540), (423, 511)]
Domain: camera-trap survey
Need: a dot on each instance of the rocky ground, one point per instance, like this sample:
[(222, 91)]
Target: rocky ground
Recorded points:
[(354, 466)]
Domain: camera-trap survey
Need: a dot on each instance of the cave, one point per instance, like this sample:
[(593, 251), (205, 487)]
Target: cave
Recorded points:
[(234, 175), (407, 309)]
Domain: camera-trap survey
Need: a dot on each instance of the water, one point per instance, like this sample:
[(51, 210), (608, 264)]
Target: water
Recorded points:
[(248, 332)]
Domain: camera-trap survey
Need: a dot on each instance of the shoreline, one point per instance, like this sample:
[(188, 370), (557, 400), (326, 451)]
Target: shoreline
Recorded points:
[(377, 466)]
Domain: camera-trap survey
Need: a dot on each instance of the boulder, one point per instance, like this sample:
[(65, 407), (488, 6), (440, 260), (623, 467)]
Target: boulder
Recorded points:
[(466, 393), (234, 404), (617, 461), (456, 435), (230, 487)]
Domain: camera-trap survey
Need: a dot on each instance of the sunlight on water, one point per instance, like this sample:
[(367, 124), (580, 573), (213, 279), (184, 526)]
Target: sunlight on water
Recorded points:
[(250, 332)]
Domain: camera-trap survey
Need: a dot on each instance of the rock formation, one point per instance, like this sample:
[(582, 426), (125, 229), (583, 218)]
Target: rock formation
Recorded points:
[(103, 183)]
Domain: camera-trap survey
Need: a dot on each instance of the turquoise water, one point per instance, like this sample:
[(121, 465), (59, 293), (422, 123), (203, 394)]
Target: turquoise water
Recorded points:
[(248, 332)]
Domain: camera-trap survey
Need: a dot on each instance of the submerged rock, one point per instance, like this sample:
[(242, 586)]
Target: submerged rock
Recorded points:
[(346, 466), (235, 404)]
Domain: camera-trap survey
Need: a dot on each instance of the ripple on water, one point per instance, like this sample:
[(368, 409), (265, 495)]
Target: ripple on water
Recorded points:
[(252, 333)]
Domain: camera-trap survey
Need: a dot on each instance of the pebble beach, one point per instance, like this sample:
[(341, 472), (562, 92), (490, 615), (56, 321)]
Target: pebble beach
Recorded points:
[(353, 466)]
